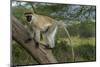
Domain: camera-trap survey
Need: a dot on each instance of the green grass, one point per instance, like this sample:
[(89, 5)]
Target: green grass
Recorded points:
[(20, 56), (76, 40), (84, 49)]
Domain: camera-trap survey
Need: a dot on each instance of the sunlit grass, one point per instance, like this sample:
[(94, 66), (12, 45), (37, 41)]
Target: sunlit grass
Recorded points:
[(76, 40), (84, 48)]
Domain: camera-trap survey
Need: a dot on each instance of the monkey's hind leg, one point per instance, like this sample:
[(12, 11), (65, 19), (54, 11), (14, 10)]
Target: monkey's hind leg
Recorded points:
[(37, 38), (50, 37)]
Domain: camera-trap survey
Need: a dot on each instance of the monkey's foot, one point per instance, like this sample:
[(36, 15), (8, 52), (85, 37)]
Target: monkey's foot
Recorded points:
[(29, 39), (37, 44), (48, 47)]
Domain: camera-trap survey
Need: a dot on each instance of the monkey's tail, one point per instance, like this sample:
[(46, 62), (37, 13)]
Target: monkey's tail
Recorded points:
[(72, 48), (64, 26)]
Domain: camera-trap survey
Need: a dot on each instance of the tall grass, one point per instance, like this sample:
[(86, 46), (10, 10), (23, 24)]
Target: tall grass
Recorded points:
[(20, 56), (84, 48)]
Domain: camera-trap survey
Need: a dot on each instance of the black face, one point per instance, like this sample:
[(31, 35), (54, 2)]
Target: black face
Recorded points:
[(28, 18)]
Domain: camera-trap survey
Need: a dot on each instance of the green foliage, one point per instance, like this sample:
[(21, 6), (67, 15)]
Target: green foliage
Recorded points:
[(85, 51), (84, 48), (18, 12), (62, 52), (49, 9), (87, 29), (83, 29), (20, 56), (74, 29)]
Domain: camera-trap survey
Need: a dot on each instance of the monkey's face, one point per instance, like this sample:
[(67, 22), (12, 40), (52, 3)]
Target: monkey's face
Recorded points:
[(29, 18)]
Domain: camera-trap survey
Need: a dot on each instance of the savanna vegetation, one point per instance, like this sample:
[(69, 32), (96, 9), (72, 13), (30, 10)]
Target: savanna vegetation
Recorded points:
[(81, 22)]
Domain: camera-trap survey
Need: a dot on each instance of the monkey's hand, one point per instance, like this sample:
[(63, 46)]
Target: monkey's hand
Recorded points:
[(36, 43)]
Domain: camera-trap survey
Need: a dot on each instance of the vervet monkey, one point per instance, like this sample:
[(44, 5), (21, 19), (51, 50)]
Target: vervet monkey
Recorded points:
[(47, 26), (43, 24)]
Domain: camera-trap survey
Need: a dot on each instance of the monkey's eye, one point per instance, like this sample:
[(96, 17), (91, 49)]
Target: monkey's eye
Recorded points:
[(28, 18)]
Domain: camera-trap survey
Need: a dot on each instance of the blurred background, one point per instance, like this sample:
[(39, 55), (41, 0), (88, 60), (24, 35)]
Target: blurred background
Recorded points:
[(81, 24)]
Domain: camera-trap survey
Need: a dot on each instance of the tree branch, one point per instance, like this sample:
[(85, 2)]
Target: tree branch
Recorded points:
[(20, 34)]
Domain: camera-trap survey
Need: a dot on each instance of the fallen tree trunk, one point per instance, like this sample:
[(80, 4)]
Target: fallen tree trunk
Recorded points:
[(20, 34)]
